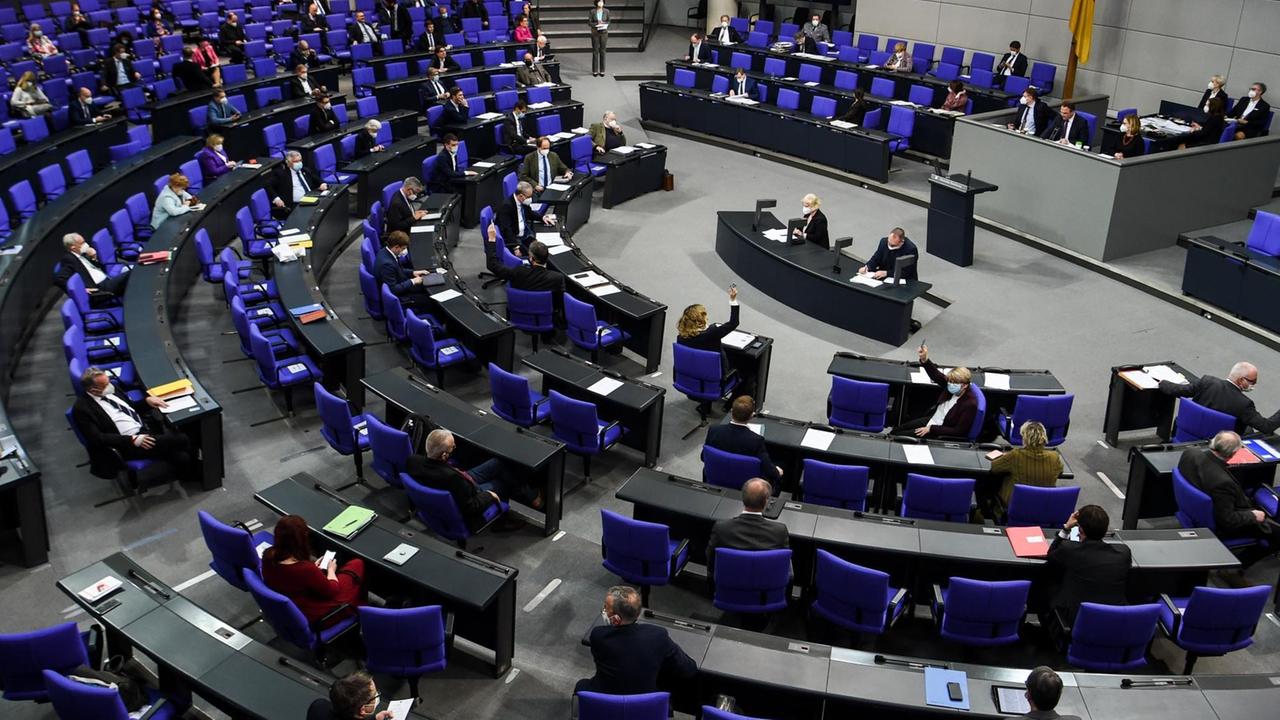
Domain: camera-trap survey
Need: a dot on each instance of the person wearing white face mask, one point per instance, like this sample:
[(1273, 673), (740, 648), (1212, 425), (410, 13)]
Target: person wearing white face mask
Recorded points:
[(1034, 117), (214, 162), (1251, 112), (400, 215), (895, 245), (544, 167), (1215, 88), (607, 134), (598, 22), (450, 168), (953, 413), (111, 424), (323, 117), (724, 33), (632, 657), (392, 270), (814, 229), (290, 181), (517, 219), (367, 139), (532, 72), (1227, 396), (815, 30), (1012, 63), (900, 61)]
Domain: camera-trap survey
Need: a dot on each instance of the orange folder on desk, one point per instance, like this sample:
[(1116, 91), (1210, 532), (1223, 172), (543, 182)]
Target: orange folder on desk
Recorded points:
[(1028, 541)]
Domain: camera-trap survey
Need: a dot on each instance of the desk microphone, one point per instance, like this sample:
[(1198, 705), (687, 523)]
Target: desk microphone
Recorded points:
[(148, 584), (1130, 683), (284, 662), (882, 660), (329, 491)]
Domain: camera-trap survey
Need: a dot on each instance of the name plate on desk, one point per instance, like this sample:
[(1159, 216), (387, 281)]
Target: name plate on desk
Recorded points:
[(948, 182)]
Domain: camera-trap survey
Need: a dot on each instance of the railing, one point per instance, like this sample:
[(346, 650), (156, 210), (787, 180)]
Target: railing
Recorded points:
[(649, 24)]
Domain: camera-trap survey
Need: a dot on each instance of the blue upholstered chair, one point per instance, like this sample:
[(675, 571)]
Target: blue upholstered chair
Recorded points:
[(391, 449), (856, 598), (513, 399), (1042, 76), (1112, 638), (73, 699), (752, 581), (857, 405), (406, 643), (726, 469), (432, 353), (438, 511), (980, 613), (291, 625), (1264, 234), (279, 373), (641, 553), (684, 78), (882, 87), (1045, 507), (1015, 85), (577, 424), (1213, 621), (587, 332), (345, 431), (935, 498), (532, 311), (24, 656), (647, 706), (1195, 510), (1052, 411), (920, 95), (1197, 422), (842, 486), (233, 549), (867, 44), (700, 376)]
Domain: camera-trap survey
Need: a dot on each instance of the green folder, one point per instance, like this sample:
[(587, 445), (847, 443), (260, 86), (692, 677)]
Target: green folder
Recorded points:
[(350, 522)]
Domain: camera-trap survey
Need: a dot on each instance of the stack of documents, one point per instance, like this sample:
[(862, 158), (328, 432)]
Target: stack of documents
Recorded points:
[(776, 234), (865, 280), (539, 105), (741, 100), (589, 278), (482, 164), (844, 124), (489, 116), (995, 381), (550, 239), (1164, 372), (738, 339), (918, 454), (624, 150)]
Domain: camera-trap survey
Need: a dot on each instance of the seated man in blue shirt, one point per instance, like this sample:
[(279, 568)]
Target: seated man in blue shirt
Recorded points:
[(880, 266)]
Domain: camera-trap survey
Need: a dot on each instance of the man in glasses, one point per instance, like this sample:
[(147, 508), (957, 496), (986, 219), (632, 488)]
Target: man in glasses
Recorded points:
[(1227, 396), (353, 697)]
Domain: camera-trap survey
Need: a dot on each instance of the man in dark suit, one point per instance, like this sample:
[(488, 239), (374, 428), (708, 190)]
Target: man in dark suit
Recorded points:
[(543, 167), (534, 277), (362, 32), (289, 181), (457, 112), (1234, 515), (1250, 112), (110, 425), (698, 50), (313, 21), (633, 657), (81, 259), (542, 50), (896, 245), (443, 62), (741, 84), (1091, 569), (430, 38), (1044, 689), (118, 72), (353, 697), (954, 410), (407, 284), (367, 139), (517, 220), (304, 54), (323, 117), (404, 21), (1227, 396), (473, 490), (81, 110), (532, 73), (300, 84), (518, 135), (231, 37), (433, 90), (738, 438), (445, 23), (749, 531), (1068, 128), (400, 213), (724, 34), (449, 170), (385, 15), (1012, 62), (1034, 117), (190, 74), (474, 9)]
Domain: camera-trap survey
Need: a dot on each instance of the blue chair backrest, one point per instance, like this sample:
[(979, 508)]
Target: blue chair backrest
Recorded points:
[(775, 67), (1015, 85), (946, 71), (982, 61), (858, 405), (984, 613), (752, 581), (599, 706), (635, 550), (1220, 620), (868, 42), (697, 373), (842, 37), (980, 416), (280, 613), (882, 87), (391, 450), (740, 60), (436, 509), (335, 419), (232, 550), (857, 595), (846, 80), (684, 78), (1091, 122), (843, 486), (1109, 638), (849, 55), (726, 469), (789, 99), (921, 95), (1264, 234), (581, 320), (73, 699), (372, 296), (1042, 75), (1052, 411), (981, 78), (1195, 507), (952, 55), (810, 73), (824, 107), (935, 498), (511, 399), (530, 310), (403, 642), (764, 26), (1032, 506), (879, 58), (23, 657), (575, 423), (719, 84), (1197, 422)]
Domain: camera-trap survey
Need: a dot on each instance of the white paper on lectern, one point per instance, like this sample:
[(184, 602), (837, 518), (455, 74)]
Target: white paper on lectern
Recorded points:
[(605, 385), (995, 381), (918, 454), (817, 439)]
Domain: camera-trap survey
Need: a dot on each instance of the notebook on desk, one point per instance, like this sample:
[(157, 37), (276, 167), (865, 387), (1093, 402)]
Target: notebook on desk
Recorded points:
[(350, 522)]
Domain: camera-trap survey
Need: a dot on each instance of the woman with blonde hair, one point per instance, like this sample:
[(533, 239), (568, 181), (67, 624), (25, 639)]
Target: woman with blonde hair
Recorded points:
[(1131, 143), (956, 408), (214, 162), (39, 44), (694, 330), (28, 99), (900, 61), (174, 200), (1032, 464)]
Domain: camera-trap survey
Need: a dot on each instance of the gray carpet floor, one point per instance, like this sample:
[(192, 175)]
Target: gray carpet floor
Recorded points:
[(1014, 307)]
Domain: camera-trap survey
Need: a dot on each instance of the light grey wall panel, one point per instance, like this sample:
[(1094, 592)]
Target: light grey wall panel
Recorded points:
[(1247, 67), (918, 19), (1018, 6), (1260, 26), (989, 30), (1214, 21), (1171, 61)]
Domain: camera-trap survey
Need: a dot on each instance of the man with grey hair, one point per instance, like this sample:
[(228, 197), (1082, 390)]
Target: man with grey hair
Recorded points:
[(479, 491), (367, 139), (750, 530), (290, 181), (113, 428), (400, 213), (81, 259), (1234, 514), (518, 220), (1227, 396), (630, 657), (607, 134)]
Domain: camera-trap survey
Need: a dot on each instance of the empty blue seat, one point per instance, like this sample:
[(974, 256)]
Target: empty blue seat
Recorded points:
[(513, 399), (980, 613), (854, 597), (391, 449), (1197, 422), (576, 423), (846, 80), (935, 498), (233, 549), (788, 99), (882, 87), (1045, 507), (641, 553), (684, 78), (587, 332), (1213, 621), (726, 469), (902, 123), (842, 486), (1264, 234), (599, 706), (1112, 638), (1042, 75), (823, 107), (921, 95), (405, 643), (751, 581), (857, 404), (24, 656)]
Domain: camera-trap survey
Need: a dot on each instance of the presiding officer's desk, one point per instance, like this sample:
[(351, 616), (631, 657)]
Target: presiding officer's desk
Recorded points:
[(857, 150), (468, 318), (480, 435), (26, 160), (1149, 493), (169, 117), (910, 398), (404, 123), (480, 593), (915, 552), (154, 293), (788, 679), (329, 341), (641, 316), (397, 161), (1234, 277), (1130, 407), (194, 651), (800, 277), (1103, 208), (931, 133), (636, 404)]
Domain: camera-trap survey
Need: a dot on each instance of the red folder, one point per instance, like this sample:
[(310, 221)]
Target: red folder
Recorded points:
[(1028, 541), (1243, 457), (313, 316), (148, 258)]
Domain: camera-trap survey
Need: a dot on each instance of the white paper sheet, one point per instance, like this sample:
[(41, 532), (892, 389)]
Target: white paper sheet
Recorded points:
[(646, 146), (995, 381), (843, 124), (559, 187), (489, 116), (1143, 380), (602, 290), (550, 239), (624, 150), (1164, 372), (756, 428), (262, 547), (738, 339), (817, 439), (556, 250), (920, 377), (918, 454), (400, 709), (445, 295), (589, 278), (605, 385), (179, 404), (482, 164), (865, 280)]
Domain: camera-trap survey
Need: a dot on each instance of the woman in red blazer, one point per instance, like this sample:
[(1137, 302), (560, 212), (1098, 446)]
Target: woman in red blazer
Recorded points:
[(289, 568)]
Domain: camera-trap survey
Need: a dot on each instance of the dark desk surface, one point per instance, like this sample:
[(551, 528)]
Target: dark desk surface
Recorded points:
[(372, 161), (315, 140), (633, 395), (28, 158), (629, 303), (475, 50), (898, 372), (327, 76)]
